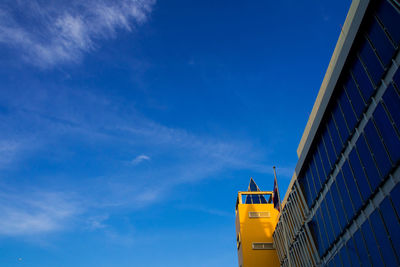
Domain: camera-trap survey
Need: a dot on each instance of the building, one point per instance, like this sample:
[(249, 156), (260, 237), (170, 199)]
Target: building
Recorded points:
[(342, 207), (256, 219)]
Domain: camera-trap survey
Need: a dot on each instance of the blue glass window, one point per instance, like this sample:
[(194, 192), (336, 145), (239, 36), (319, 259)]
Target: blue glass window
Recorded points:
[(372, 63), (337, 142), (371, 244), (327, 220), (355, 97), (381, 235), (351, 186), (305, 190), (311, 185), (390, 138), (315, 175), (321, 226), (390, 18), (344, 256), (392, 102), (341, 124), (392, 224), (382, 44), (353, 253), (332, 212), (362, 250), (339, 206), (376, 146), (345, 196), (359, 175), (368, 163), (362, 80), (348, 112), (395, 195), (324, 160), (396, 79), (317, 234), (329, 147), (337, 260)]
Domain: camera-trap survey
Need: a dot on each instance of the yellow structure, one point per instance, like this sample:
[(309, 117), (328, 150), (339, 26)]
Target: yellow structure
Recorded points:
[(256, 219)]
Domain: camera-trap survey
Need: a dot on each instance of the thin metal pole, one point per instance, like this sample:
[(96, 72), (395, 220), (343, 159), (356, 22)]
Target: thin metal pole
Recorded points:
[(283, 222)]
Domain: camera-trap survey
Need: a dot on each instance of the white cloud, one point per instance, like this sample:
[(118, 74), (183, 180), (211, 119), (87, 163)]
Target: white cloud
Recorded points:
[(34, 213), (63, 32), (140, 159)]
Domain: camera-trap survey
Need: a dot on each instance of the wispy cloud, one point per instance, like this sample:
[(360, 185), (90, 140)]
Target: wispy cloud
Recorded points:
[(63, 31), (34, 213), (140, 159)]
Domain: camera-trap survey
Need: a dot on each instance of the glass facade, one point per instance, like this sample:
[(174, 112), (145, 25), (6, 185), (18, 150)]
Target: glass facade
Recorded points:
[(348, 187)]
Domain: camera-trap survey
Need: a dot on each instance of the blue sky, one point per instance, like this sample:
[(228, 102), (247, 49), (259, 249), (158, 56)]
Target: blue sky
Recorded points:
[(127, 127)]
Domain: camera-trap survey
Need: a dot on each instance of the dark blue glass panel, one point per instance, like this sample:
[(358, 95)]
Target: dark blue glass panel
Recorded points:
[(374, 67), (392, 102), (348, 112), (344, 256), (311, 186), (353, 253), (315, 175), (319, 167), (337, 260), (361, 78), (321, 226), (371, 244), (355, 97), (331, 264), (359, 175), (256, 199), (362, 250), (395, 195), (327, 220), (337, 142), (263, 200), (345, 196), (377, 149), (383, 46), (368, 163), (341, 124), (339, 206), (392, 224), (317, 235), (384, 243), (332, 212), (388, 133), (329, 147), (351, 186), (324, 160), (396, 79), (391, 20), (252, 186)]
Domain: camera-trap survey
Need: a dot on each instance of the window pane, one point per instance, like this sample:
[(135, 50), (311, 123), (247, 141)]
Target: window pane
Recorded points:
[(362, 250), (317, 234), (341, 124), (355, 97), (332, 212), (390, 138), (305, 190), (395, 195), (324, 160), (373, 65), (329, 147), (337, 143), (353, 253), (359, 175), (317, 171), (391, 20), (392, 102), (368, 162), (392, 223), (328, 223), (321, 225), (362, 80), (339, 205), (385, 246), (377, 149), (311, 185), (351, 186), (371, 244), (381, 43), (348, 112), (345, 196), (344, 256)]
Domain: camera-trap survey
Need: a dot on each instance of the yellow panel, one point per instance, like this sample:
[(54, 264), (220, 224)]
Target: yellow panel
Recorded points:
[(255, 223)]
